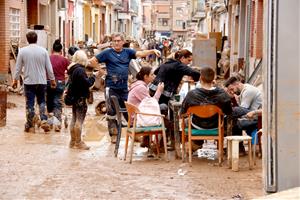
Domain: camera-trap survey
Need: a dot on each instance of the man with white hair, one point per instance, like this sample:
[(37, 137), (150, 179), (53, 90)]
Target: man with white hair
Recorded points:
[(117, 61)]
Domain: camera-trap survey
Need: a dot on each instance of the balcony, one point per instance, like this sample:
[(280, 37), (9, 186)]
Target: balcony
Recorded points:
[(118, 6), (198, 15), (124, 15), (98, 2), (133, 12), (110, 2)]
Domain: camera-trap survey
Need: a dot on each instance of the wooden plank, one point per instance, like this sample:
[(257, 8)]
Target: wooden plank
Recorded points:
[(218, 37), (12, 67), (12, 51), (204, 53)]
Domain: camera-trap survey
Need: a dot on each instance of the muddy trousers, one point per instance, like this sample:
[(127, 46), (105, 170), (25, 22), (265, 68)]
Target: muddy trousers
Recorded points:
[(79, 110), (54, 98), (122, 95), (37, 91), (112, 127)]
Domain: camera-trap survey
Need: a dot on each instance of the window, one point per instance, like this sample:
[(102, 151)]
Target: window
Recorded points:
[(163, 21), (14, 23), (179, 10), (179, 23)]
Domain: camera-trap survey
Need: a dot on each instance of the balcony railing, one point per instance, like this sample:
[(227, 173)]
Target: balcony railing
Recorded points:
[(112, 2), (198, 14)]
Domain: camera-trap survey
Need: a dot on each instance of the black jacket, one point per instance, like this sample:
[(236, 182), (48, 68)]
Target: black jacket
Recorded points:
[(171, 73), (80, 81), (201, 96)]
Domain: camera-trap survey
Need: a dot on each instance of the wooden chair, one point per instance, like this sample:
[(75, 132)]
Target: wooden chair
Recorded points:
[(119, 112), (133, 130), (203, 111)]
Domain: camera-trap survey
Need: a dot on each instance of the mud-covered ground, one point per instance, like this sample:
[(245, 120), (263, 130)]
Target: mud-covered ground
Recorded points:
[(41, 166)]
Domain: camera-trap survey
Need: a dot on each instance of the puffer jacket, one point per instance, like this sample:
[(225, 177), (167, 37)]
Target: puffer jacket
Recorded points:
[(80, 81)]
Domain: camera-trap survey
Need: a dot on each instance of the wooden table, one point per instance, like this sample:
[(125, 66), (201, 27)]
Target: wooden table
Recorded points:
[(175, 106)]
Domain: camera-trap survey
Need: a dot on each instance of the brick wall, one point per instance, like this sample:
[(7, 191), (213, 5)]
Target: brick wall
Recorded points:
[(5, 34), (252, 29), (5, 5), (258, 34), (17, 4), (4, 41)]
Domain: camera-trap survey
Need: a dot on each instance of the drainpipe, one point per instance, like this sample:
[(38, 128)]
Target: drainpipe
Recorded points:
[(248, 32)]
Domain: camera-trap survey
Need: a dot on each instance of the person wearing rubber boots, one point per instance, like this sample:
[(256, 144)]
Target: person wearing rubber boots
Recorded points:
[(117, 61)]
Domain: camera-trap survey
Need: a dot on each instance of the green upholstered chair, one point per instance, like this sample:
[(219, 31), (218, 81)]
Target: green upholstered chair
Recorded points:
[(203, 111), (134, 131)]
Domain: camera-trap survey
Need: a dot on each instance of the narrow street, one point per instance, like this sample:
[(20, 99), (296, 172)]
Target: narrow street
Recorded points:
[(41, 166)]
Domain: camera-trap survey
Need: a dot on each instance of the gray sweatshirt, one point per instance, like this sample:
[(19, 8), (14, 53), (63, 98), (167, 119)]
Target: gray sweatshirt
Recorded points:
[(36, 63)]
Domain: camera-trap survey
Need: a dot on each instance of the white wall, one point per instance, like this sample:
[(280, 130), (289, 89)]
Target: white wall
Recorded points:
[(78, 22), (281, 108)]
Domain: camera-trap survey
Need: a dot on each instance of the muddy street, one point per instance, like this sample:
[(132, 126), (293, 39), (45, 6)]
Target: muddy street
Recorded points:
[(41, 166)]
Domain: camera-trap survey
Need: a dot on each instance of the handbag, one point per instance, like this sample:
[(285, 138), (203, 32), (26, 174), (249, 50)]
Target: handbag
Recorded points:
[(69, 99), (149, 105)]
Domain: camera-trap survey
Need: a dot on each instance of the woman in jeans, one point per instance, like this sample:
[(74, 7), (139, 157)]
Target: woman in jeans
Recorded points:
[(80, 91), (54, 95)]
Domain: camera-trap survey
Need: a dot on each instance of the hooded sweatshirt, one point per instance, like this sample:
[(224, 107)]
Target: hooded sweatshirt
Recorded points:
[(80, 81), (201, 96), (138, 91)]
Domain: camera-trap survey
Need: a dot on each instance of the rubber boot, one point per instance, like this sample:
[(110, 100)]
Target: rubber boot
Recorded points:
[(72, 141), (112, 129), (79, 144)]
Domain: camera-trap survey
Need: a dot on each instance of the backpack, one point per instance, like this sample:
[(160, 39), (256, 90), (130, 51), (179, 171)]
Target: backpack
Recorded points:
[(149, 105), (69, 98)]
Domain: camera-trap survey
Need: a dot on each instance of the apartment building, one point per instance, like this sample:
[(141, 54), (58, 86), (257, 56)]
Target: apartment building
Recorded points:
[(169, 18)]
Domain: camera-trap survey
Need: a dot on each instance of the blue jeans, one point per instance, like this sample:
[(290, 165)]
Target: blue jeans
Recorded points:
[(240, 124), (54, 98), (32, 91)]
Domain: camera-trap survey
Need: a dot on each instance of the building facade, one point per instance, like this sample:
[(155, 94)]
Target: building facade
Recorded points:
[(169, 18)]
